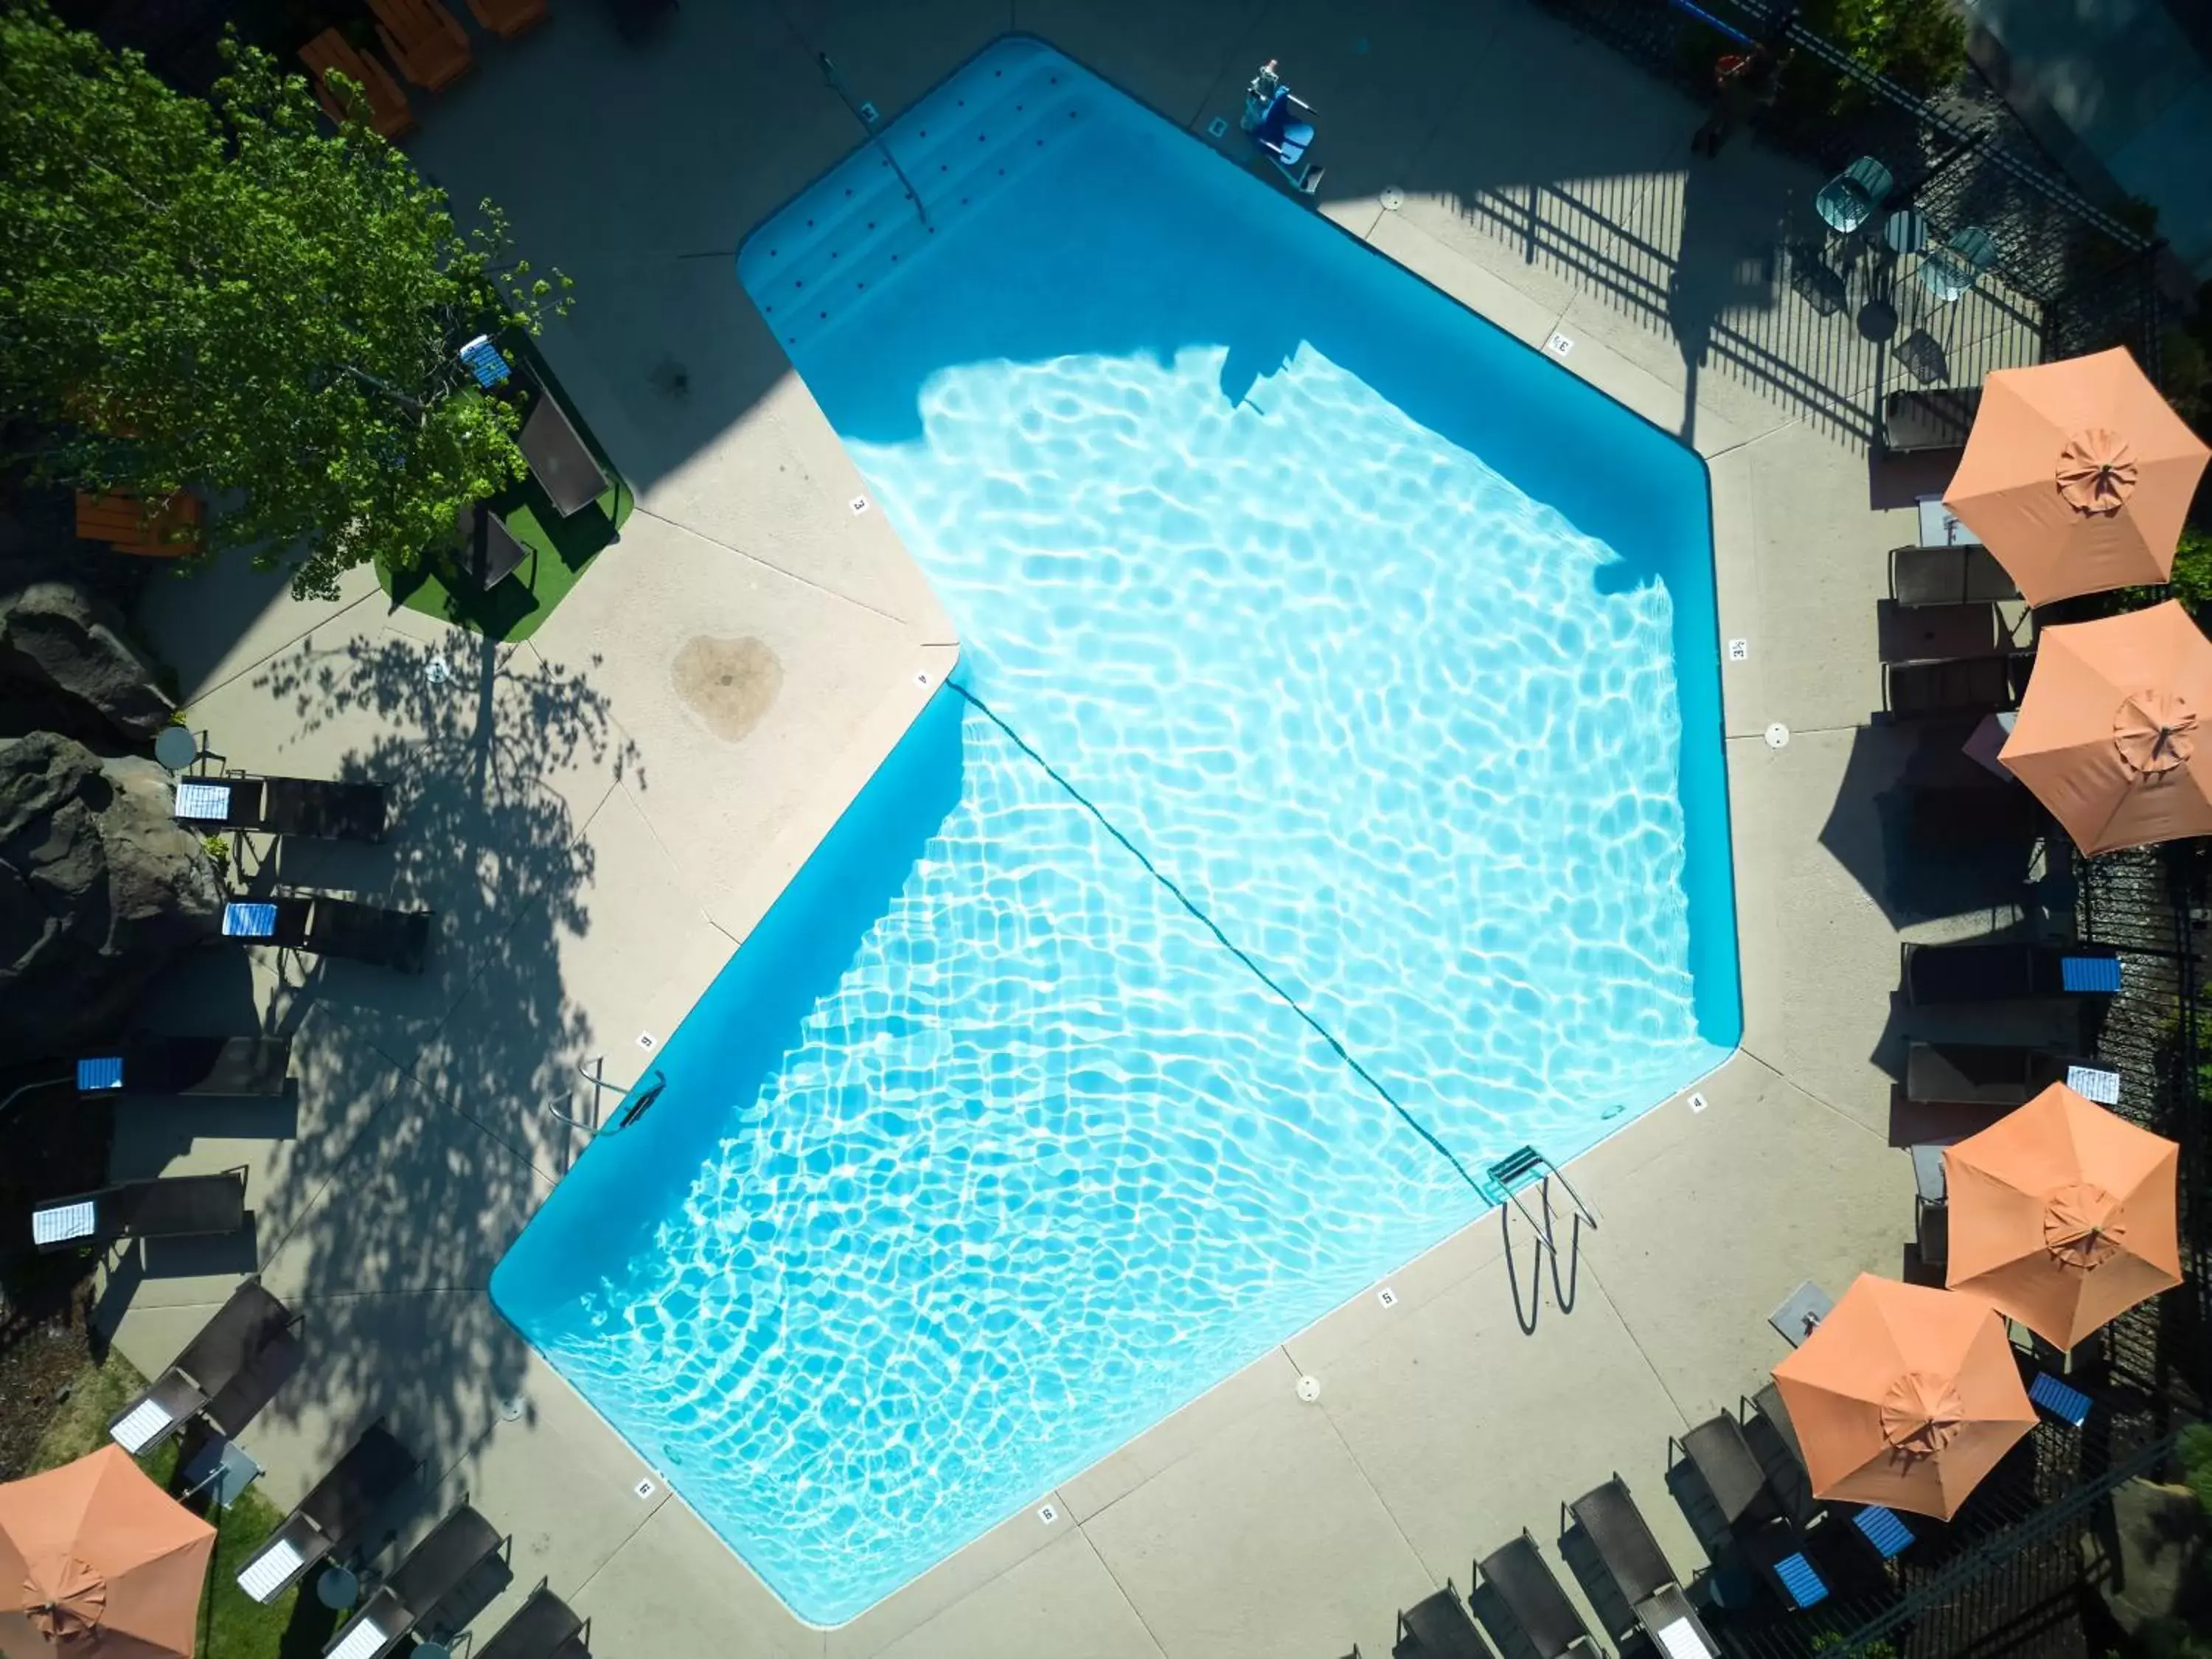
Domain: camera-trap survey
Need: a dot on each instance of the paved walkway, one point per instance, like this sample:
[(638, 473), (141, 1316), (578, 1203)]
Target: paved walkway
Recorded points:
[(594, 850)]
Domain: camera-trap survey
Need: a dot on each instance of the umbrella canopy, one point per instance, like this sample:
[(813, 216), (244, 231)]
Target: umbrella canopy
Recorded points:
[(2063, 1215), (1906, 1396), (2109, 734), (97, 1562), (2077, 476)]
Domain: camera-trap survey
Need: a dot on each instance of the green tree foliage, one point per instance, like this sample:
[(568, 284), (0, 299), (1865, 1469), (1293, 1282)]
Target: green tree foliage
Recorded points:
[(1919, 44), (218, 295)]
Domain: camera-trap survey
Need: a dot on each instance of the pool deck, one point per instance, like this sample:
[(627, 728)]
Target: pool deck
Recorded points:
[(595, 851)]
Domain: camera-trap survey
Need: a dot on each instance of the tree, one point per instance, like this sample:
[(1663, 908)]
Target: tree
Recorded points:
[(216, 294)]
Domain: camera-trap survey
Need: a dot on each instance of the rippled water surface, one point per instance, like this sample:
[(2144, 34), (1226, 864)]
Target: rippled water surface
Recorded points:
[(1329, 804)]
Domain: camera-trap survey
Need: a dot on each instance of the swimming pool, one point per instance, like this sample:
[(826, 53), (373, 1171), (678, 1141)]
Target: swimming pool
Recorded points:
[(1329, 802)]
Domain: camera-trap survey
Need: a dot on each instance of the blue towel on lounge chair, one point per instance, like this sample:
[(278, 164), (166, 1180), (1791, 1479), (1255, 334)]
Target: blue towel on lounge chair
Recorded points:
[(2090, 973), (98, 1075), (2062, 1400), (1884, 1530), (249, 920), (1800, 1581)]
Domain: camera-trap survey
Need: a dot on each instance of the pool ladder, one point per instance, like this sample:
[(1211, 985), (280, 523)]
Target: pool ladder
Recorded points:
[(1511, 1176), (594, 1071)]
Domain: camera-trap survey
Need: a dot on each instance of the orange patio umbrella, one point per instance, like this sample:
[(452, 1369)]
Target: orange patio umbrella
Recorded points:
[(2108, 735), (2077, 475), (2063, 1215), (1904, 1395), (97, 1562)]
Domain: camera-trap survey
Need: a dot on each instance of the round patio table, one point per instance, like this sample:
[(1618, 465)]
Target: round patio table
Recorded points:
[(175, 747), (1905, 231), (339, 1588)]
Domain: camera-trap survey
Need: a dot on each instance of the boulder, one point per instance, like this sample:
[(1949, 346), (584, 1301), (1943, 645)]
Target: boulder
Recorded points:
[(100, 888), (64, 648)]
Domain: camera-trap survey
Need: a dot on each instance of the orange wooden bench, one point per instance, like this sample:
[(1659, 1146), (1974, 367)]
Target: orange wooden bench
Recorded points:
[(509, 18), (388, 109), (423, 39), (122, 521)]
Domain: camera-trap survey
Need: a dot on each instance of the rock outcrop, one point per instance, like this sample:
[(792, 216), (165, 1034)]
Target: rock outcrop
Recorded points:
[(100, 888), (67, 661)]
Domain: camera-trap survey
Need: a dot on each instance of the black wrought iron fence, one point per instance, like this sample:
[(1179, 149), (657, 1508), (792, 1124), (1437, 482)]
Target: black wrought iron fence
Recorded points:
[(1964, 159)]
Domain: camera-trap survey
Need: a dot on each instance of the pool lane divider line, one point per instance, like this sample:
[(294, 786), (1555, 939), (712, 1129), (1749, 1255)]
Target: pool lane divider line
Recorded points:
[(1228, 944)]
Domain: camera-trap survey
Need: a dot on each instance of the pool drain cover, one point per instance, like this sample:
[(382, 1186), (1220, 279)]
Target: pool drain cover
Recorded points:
[(1309, 1389)]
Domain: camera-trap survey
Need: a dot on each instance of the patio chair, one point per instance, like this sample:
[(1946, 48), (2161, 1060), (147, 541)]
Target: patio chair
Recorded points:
[(387, 109), (247, 1333), (322, 926), (1723, 1459), (338, 1506), (434, 1569), (424, 40), (2009, 971), (1957, 685), (1617, 1530), (1854, 196), (127, 525), (1976, 815), (490, 552), (318, 808), (543, 1627), (1928, 418), (1991, 1075), (172, 1206), (1438, 1626), (223, 1068), (1524, 1584), (558, 456), (1948, 575), (1951, 271), (509, 18)]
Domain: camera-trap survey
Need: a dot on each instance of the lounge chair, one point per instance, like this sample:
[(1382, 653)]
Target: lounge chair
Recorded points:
[(1801, 1312), (1931, 1232), (1853, 197), (1524, 1584), (127, 525), (244, 1335), (1617, 1530), (1928, 418), (1725, 1462), (509, 18), (1979, 1074), (1775, 1437), (173, 1207), (387, 109), (490, 552), (2008, 972), (397, 939), (342, 1502), (1968, 573), (543, 1627), (1779, 1555), (1983, 815), (1957, 685), (1438, 1626), (315, 807), (1951, 271), (558, 456), (430, 47), (434, 1569), (215, 1067)]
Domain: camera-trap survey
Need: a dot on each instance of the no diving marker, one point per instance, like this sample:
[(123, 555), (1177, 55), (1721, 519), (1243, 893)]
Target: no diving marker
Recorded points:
[(1558, 345)]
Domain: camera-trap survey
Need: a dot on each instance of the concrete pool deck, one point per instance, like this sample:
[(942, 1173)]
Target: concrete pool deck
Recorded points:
[(595, 851)]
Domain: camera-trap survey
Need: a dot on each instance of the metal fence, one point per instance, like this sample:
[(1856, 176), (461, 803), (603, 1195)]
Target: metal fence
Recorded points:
[(1964, 159)]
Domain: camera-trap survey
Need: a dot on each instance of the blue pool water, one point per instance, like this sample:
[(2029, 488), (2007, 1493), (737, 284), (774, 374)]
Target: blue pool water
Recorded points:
[(1329, 802)]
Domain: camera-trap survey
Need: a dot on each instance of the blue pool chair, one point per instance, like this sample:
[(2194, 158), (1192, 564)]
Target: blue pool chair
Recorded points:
[(2062, 1400), (1282, 126), (1954, 269), (1854, 196)]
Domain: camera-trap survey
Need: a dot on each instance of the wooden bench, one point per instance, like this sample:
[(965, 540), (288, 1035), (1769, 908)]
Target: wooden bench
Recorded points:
[(509, 18), (123, 522), (389, 112), (424, 40)]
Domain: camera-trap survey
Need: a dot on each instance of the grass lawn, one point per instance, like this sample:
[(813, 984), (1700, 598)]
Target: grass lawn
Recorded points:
[(233, 1625)]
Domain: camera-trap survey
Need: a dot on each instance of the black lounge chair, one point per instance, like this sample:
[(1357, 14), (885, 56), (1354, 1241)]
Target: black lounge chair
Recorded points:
[(1988, 1075), (1730, 1470), (340, 1504), (1438, 1626), (490, 552), (1957, 685), (215, 1376), (1525, 1586), (434, 1569), (1931, 1232), (173, 1207), (2008, 972), (542, 1627), (1617, 1530), (1964, 574), (562, 462), (1930, 418), (1976, 816), (217, 1067), (397, 939), (315, 807)]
